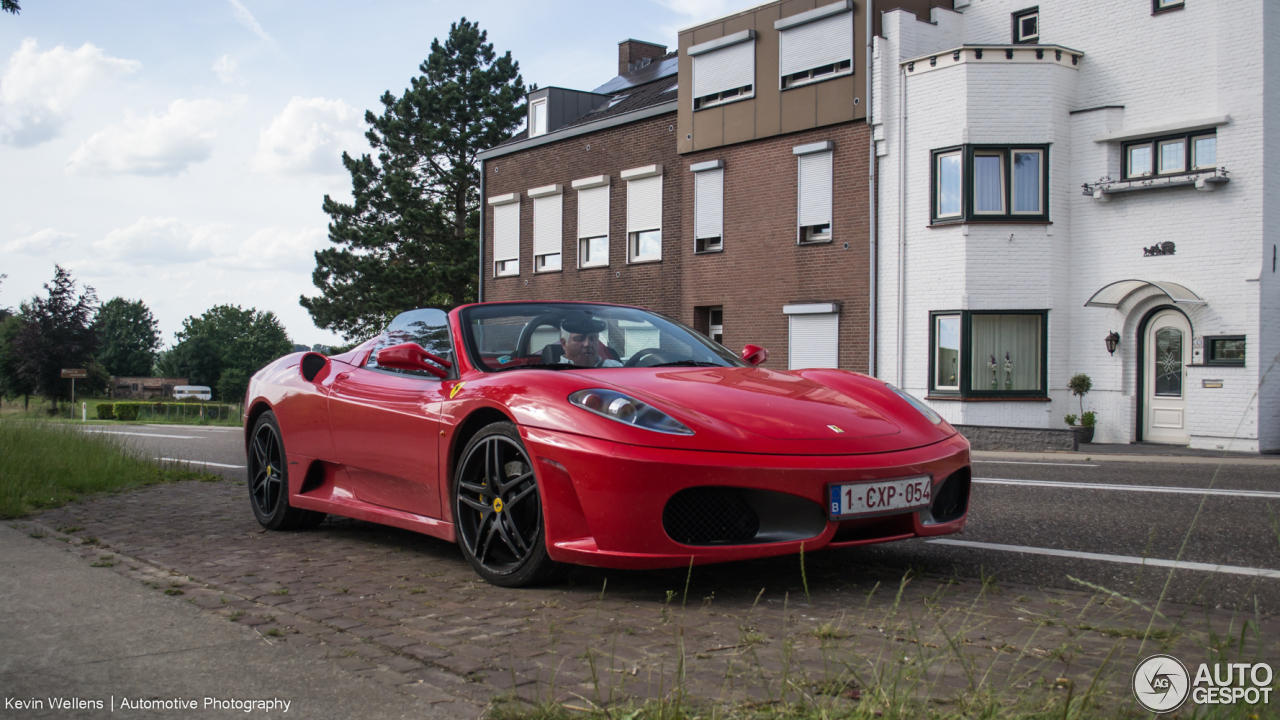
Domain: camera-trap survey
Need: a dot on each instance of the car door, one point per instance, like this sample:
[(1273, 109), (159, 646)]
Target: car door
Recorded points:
[(385, 421)]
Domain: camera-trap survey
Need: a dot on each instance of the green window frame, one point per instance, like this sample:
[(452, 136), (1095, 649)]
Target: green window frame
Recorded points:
[(998, 183), (1170, 155), (980, 333)]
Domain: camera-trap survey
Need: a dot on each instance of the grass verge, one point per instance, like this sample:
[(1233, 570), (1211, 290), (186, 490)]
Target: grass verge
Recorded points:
[(44, 465)]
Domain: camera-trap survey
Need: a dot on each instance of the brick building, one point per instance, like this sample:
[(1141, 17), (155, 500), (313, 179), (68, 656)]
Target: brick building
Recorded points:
[(143, 388), (726, 184)]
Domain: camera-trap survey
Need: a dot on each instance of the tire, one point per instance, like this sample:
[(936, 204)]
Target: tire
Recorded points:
[(268, 471), (501, 533)]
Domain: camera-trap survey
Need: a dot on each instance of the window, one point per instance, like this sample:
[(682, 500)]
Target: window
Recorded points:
[(1170, 156), (547, 227), (1161, 5), (724, 70), (1224, 350), (716, 324), (538, 117), (975, 353), (506, 234), (991, 182), (593, 221), (708, 206), (644, 213), (813, 336), (815, 188), (815, 45), (1026, 26)]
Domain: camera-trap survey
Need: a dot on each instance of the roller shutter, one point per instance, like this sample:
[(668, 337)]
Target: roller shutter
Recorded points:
[(593, 212), (815, 189), (644, 204), (813, 341), (724, 69), (708, 204), (506, 232), (814, 44), (547, 215)]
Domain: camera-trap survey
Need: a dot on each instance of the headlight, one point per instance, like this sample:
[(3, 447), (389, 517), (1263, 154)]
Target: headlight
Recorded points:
[(628, 411), (925, 410)]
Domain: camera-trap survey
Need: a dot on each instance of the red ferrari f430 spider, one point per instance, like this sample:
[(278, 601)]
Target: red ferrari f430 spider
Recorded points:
[(539, 434)]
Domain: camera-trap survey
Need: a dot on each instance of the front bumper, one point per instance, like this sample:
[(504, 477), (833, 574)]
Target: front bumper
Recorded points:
[(604, 502)]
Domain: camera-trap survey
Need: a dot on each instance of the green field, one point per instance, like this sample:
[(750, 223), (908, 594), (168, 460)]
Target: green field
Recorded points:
[(44, 465)]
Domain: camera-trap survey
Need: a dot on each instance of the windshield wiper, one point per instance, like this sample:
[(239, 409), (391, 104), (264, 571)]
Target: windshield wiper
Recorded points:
[(542, 366), (687, 363)]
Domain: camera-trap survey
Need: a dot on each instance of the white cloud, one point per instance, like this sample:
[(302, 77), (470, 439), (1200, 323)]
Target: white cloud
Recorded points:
[(246, 18), (160, 241), (309, 137), (40, 243), (277, 249), (163, 144), (39, 88), (224, 67)]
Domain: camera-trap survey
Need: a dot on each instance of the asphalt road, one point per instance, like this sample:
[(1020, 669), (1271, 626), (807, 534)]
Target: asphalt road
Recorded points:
[(1041, 515)]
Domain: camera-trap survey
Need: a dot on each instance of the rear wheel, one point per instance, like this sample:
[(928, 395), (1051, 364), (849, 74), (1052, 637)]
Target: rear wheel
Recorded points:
[(498, 511), (269, 480)]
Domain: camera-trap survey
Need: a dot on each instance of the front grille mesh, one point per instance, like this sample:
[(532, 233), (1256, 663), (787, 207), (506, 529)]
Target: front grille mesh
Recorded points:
[(710, 516)]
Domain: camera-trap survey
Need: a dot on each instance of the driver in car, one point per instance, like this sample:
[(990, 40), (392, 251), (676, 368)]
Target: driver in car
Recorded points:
[(580, 337)]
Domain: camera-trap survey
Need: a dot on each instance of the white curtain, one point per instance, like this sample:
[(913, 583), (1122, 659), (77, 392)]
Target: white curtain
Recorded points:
[(1014, 343), (988, 195), (1026, 182)]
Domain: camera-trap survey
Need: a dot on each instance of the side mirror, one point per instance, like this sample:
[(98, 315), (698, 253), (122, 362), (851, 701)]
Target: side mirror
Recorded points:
[(754, 354), (411, 356)]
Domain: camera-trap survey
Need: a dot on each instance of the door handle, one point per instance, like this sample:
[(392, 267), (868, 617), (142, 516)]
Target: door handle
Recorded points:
[(341, 376)]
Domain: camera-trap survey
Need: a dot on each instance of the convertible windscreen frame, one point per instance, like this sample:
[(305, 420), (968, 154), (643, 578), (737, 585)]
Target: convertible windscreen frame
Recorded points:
[(468, 316)]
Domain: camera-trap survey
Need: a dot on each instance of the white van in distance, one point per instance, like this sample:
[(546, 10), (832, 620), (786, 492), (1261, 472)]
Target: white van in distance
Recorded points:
[(190, 392)]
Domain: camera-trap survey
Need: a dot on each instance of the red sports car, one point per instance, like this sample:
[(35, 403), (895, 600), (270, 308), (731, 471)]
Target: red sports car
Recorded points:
[(536, 434)]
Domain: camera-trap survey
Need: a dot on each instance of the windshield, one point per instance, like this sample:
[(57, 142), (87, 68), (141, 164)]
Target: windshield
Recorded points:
[(428, 327), (565, 335)]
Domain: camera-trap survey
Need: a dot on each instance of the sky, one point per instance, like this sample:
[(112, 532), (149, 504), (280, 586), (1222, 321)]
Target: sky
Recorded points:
[(179, 152)]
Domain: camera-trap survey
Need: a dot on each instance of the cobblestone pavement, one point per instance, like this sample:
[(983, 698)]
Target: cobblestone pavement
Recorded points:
[(406, 610)]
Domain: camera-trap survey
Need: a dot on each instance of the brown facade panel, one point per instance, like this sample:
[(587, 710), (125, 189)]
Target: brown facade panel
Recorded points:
[(761, 268), (833, 101), (800, 108)]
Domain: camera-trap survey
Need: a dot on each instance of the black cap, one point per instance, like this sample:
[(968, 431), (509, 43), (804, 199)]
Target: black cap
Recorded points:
[(582, 325)]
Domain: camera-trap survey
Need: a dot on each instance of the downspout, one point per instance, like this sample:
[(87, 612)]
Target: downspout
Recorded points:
[(480, 278), (902, 226), (873, 199)]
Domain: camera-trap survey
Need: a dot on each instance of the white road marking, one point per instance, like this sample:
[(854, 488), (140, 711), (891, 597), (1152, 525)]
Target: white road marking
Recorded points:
[(196, 429), (140, 434), (1270, 494), (1127, 559), (202, 462), (1030, 462)]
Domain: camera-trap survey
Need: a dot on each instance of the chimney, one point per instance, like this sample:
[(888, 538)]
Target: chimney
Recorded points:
[(633, 54)]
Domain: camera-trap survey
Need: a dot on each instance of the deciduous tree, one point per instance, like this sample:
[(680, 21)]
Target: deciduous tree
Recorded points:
[(225, 338), (409, 238), (129, 336), (57, 333)]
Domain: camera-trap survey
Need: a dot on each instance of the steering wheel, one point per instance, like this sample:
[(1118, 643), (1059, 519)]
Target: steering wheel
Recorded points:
[(526, 333), (661, 355)]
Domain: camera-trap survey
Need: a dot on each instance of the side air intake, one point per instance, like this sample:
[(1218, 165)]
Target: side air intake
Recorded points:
[(312, 364)]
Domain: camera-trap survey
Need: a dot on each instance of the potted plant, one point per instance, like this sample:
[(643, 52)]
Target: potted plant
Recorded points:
[(1080, 385)]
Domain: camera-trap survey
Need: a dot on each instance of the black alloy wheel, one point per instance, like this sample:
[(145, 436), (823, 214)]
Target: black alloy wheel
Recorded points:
[(498, 511), (269, 480)]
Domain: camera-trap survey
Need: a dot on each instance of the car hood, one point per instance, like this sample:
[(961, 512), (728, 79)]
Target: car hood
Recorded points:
[(754, 410)]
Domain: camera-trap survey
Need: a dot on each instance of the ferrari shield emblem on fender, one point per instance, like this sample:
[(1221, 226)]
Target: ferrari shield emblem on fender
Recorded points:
[(454, 390), (836, 428)]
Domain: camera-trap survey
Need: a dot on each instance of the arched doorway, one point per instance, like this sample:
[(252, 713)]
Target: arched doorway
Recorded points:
[(1165, 354)]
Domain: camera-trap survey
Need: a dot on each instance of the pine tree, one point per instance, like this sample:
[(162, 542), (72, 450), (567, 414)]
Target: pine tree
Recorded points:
[(56, 333), (410, 238), (9, 6)]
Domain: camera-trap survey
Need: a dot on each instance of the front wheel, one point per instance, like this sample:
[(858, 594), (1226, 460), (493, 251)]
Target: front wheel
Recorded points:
[(269, 480), (498, 511)]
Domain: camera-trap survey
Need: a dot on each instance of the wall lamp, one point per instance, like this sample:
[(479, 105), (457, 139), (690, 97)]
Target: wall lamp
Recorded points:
[(1112, 341)]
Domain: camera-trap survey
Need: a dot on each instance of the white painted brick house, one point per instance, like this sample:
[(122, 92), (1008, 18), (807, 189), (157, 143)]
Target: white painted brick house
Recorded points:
[(1033, 159)]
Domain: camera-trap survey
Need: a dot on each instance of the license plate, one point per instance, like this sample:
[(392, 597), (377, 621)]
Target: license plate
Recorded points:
[(880, 498)]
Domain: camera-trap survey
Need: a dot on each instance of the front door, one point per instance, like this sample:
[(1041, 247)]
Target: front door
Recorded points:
[(1168, 350)]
